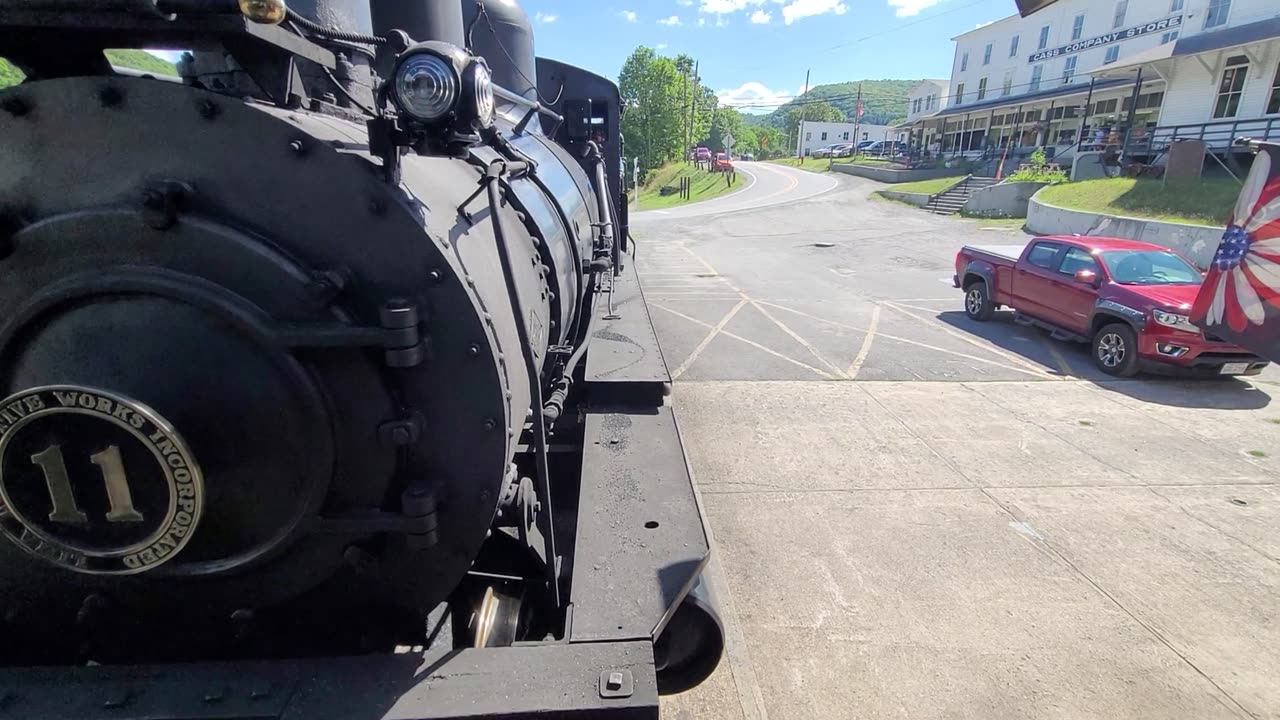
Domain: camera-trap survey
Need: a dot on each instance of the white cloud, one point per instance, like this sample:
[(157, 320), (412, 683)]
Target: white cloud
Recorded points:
[(907, 8), (755, 94), (673, 20), (806, 8), (702, 21), (721, 21), (660, 46), (760, 17), (545, 18), (983, 24), (685, 3), (724, 7), (628, 15)]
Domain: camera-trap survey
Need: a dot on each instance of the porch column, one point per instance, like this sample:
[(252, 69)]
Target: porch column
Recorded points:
[(1048, 120), (1133, 110), (1088, 105)]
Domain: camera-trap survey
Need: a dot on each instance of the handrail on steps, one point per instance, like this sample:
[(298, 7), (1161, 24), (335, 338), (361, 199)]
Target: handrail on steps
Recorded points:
[(934, 197)]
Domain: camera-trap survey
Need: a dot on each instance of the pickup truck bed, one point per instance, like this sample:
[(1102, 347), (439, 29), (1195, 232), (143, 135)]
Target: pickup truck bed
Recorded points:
[(1007, 252)]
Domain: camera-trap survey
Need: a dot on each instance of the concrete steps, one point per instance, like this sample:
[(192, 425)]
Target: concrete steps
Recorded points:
[(953, 200)]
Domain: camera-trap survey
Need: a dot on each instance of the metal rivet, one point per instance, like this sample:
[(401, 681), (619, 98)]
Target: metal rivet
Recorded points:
[(435, 276), (489, 425), (377, 207), (474, 351), (208, 109), (297, 147)]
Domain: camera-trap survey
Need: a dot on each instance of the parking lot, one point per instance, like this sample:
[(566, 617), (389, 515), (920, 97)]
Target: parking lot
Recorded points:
[(920, 516)]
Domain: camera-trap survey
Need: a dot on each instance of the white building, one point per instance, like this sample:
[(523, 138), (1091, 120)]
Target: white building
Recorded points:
[(1131, 73), (814, 135), (926, 99)]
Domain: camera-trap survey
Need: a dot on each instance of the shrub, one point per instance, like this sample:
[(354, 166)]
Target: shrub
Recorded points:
[(1037, 172)]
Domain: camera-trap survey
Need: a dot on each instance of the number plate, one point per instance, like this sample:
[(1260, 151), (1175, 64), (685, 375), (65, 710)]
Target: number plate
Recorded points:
[(1234, 368)]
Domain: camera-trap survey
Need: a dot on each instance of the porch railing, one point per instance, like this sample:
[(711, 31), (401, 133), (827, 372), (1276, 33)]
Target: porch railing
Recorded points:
[(1218, 136)]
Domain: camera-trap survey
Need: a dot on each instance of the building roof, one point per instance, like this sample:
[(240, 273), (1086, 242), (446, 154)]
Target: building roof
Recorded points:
[(1228, 37), (1010, 100), (1026, 7), (981, 28)]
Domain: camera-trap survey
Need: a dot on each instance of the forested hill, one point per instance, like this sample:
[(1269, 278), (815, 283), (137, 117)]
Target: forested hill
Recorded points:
[(885, 101), (134, 59)]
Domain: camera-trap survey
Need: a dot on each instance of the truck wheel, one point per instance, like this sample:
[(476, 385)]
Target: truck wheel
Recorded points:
[(977, 302), (1115, 350)]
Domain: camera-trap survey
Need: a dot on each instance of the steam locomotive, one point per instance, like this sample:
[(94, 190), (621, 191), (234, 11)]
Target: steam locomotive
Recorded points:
[(330, 390)]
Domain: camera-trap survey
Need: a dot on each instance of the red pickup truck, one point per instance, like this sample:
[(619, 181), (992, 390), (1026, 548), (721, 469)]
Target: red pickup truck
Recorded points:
[(1128, 299)]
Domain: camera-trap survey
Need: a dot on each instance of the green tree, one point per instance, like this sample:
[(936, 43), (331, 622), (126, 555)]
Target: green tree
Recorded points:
[(727, 121), (650, 89)]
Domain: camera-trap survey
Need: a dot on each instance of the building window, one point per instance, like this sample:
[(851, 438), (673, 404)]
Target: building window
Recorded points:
[(1036, 73), (1175, 6), (1013, 46), (1077, 27), (1217, 15), (1231, 87), (1044, 37), (845, 135), (1122, 9), (808, 136), (1069, 70), (959, 93), (986, 55), (982, 89), (1168, 37), (1008, 83), (1273, 105), (1113, 54), (964, 61), (824, 136)]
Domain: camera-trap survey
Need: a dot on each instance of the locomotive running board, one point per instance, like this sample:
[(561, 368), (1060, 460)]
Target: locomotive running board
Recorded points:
[(552, 680), (624, 363)]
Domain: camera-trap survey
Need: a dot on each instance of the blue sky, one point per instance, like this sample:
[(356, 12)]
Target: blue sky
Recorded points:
[(756, 52), (754, 49)]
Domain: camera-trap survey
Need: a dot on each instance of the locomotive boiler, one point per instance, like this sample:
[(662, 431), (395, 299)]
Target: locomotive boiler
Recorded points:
[(330, 390)]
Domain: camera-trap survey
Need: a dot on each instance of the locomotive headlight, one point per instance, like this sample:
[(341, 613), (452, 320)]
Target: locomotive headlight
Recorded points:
[(426, 86), (482, 91)]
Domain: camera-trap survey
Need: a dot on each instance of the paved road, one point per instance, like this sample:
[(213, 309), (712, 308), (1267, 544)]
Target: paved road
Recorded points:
[(765, 185), (917, 516)]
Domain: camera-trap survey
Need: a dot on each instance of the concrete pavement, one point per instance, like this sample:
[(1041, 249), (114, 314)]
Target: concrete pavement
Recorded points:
[(766, 184), (920, 517)]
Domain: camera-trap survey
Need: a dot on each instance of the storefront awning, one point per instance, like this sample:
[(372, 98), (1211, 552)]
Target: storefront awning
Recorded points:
[(1013, 101), (1228, 38)]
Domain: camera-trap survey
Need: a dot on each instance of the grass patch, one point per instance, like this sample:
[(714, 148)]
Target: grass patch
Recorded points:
[(812, 164), (935, 185), (704, 185), (1257, 454), (1204, 202)]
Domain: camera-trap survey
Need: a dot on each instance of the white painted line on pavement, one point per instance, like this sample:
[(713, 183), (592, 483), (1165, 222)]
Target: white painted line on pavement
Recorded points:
[(965, 338), (866, 343), (707, 340), (741, 339)]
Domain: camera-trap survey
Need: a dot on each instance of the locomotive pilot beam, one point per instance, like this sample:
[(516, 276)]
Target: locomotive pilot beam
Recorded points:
[(327, 388)]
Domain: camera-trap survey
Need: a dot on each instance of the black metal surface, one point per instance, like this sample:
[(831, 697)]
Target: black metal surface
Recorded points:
[(641, 544), (532, 681), (625, 362), (500, 32)]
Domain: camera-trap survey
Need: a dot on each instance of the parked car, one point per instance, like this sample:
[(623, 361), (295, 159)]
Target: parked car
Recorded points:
[(864, 145), (1129, 300), (824, 151), (884, 147), (702, 154), (722, 163), (842, 150), (747, 157)]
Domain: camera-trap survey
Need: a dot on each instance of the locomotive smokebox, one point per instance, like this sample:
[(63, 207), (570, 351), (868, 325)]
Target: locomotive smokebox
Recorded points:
[(423, 20)]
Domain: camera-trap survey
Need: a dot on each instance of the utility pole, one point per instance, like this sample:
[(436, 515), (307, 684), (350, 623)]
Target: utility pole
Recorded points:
[(693, 101), (800, 125), (684, 114), (857, 118)]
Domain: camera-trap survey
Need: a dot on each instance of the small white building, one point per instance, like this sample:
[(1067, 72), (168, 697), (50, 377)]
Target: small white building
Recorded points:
[(1078, 71), (814, 135)]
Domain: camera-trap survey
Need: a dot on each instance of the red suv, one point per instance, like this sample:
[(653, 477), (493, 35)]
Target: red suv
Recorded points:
[(1128, 299), (722, 163)]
